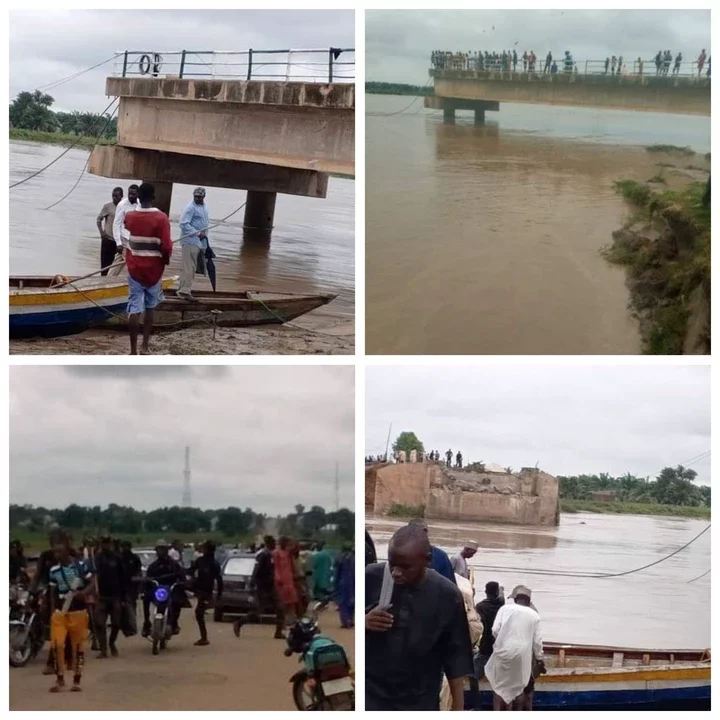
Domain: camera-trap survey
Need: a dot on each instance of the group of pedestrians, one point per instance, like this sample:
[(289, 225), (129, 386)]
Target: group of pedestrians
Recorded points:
[(505, 61), (424, 635)]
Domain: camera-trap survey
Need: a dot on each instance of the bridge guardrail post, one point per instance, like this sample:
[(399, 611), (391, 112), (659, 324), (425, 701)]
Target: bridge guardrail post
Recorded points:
[(330, 65), (249, 72), (182, 63), (125, 59)]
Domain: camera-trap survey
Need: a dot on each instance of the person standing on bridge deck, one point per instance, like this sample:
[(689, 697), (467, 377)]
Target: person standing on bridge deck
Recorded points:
[(193, 226), (607, 64), (525, 61), (459, 561), (105, 220), (658, 62), (701, 61), (458, 460), (515, 60), (416, 630), (517, 640), (448, 458), (148, 252), (548, 62), (668, 60), (640, 65), (111, 585), (206, 573), (125, 206), (613, 63)]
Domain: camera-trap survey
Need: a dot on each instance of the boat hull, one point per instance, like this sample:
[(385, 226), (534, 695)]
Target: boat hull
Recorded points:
[(655, 688)]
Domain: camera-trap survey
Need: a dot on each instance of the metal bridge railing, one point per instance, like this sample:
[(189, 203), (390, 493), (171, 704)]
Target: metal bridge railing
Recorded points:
[(328, 65), (460, 61)]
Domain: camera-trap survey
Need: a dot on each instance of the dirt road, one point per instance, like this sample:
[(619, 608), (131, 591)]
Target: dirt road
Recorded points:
[(250, 673)]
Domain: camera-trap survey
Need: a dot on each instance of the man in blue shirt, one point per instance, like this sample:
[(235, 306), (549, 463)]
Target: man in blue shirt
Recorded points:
[(440, 562), (193, 224)]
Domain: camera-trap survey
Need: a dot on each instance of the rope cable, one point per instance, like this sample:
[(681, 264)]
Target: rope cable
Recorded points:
[(56, 83)]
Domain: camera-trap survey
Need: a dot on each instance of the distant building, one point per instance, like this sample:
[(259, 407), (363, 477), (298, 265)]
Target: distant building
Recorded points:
[(604, 496)]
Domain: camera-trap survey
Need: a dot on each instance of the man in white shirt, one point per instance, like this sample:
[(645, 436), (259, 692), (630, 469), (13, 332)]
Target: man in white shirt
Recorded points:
[(459, 562), (126, 205), (517, 639)]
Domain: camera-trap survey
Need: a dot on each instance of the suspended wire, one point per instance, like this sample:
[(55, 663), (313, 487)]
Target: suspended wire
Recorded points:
[(399, 112), (698, 577), (82, 172), (66, 151), (61, 81)]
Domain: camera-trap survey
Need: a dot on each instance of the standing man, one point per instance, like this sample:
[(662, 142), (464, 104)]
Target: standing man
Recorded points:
[(439, 560), (322, 574), (262, 583), (459, 562), (111, 587), (70, 583), (458, 460), (487, 609), (193, 224), (345, 586), (125, 206), (416, 630), (105, 220), (148, 252), (132, 570), (284, 578), (448, 458), (548, 62), (676, 67), (205, 572), (517, 639), (701, 61)]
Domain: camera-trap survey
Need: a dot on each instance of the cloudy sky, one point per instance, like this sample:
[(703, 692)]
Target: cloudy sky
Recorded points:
[(260, 437), (46, 46), (398, 43), (569, 420)]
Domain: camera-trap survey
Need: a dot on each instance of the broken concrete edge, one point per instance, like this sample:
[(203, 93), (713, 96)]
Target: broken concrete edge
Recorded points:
[(338, 96)]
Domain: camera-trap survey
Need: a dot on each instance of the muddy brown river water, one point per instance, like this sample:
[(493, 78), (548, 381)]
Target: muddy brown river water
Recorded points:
[(312, 249), (658, 607), (486, 239)]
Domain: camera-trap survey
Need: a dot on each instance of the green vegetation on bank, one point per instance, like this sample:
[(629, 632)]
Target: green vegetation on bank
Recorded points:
[(58, 138), (409, 511), (670, 149), (384, 88), (229, 524), (666, 252), (626, 508)]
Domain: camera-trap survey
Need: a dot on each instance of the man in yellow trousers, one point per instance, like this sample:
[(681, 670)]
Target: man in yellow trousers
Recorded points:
[(71, 583)]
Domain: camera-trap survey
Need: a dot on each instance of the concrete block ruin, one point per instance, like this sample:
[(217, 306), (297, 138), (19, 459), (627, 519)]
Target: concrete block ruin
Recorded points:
[(529, 497)]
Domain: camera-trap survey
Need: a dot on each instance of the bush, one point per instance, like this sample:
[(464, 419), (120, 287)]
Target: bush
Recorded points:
[(409, 511)]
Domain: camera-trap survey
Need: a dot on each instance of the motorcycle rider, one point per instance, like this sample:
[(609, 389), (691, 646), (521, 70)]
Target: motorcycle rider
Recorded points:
[(167, 571), (205, 572)]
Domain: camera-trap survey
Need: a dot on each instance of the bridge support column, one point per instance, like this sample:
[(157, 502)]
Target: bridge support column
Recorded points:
[(479, 116), (448, 114), (260, 210), (163, 195)]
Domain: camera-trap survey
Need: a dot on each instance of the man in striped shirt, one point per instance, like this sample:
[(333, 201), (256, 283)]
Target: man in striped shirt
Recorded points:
[(148, 252)]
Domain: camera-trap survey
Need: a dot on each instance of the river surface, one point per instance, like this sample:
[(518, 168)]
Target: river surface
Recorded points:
[(655, 608), (312, 249), (486, 239)]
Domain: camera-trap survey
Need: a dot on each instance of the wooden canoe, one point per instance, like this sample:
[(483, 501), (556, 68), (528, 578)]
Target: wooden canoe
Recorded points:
[(46, 306), (591, 677), (236, 309)]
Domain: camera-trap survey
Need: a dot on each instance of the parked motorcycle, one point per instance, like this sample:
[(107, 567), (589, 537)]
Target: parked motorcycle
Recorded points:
[(161, 596), (326, 680), (27, 631)]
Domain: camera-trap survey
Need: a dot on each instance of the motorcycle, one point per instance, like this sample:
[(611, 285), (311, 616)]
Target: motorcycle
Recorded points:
[(27, 631), (161, 598), (326, 680)]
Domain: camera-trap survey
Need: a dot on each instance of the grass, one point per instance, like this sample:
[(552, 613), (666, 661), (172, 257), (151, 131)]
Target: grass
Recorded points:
[(411, 511), (670, 149), (659, 179), (666, 274), (58, 138), (631, 508)]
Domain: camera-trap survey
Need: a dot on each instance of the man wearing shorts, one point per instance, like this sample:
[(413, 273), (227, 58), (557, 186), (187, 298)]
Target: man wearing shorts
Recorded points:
[(148, 252)]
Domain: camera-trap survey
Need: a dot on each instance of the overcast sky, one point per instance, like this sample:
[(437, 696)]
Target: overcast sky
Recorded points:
[(569, 420), (46, 46), (260, 437), (398, 43)]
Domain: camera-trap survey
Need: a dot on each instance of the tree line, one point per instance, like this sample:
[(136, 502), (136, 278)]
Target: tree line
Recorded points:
[(230, 521), (33, 111), (672, 486)]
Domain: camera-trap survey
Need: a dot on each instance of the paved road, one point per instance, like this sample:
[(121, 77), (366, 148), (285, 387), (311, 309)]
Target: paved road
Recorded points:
[(230, 674)]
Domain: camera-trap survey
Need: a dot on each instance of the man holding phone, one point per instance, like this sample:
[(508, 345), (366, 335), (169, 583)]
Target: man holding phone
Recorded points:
[(416, 629)]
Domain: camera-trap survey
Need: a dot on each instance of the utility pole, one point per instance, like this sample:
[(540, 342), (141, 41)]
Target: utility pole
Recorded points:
[(387, 444)]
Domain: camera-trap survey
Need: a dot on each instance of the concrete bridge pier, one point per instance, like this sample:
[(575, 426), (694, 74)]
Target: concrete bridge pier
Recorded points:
[(163, 195), (479, 116), (260, 210), (450, 105), (449, 115)]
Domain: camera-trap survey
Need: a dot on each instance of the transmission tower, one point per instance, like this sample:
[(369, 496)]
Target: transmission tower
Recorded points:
[(186, 497)]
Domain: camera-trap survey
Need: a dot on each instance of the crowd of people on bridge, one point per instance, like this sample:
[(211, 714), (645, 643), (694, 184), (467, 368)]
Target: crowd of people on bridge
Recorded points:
[(81, 591), (510, 61), (425, 635), (415, 456)]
